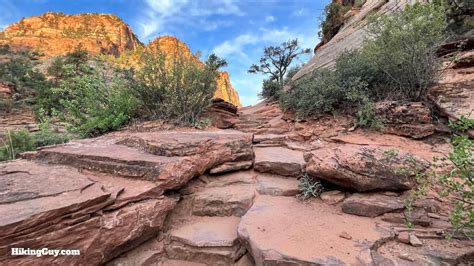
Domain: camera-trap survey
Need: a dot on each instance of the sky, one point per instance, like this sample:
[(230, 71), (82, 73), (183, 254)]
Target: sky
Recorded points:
[(237, 30)]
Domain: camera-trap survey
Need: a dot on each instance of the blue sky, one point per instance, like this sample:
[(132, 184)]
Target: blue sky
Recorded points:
[(233, 29)]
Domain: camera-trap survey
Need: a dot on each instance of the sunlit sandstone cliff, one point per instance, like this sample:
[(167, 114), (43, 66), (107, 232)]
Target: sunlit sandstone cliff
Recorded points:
[(58, 33), (53, 34)]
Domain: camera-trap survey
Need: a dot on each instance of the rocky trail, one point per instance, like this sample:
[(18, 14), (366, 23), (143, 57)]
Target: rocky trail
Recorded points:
[(226, 197)]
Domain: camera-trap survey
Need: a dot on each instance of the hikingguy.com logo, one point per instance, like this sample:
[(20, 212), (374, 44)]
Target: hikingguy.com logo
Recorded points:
[(44, 252)]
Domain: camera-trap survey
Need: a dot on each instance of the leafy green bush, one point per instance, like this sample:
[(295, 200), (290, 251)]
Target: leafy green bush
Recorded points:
[(402, 46), (313, 94), (458, 184), (92, 105), (16, 142), (176, 88), (19, 71), (309, 187), (271, 89)]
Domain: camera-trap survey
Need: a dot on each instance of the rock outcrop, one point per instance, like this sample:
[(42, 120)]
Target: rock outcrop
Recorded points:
[(57, 33), (365, 168), (410, 119), (104, 196)]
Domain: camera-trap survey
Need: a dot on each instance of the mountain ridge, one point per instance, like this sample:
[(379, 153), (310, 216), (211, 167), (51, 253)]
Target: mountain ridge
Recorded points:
[(54, 34)]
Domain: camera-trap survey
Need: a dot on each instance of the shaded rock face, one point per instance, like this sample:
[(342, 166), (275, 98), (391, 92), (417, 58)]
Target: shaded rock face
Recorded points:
[(364, 168), (57, 34), (412, 119)]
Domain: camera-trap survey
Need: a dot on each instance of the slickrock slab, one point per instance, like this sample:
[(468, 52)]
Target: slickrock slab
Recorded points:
[(372, 204), (269, 138), (56, 206), (177, 156), (285, 231), (279, 160), (192, 143), (274, 185), (224, 201), (365, 168), (34, 196), (210, 240), (107, 157)]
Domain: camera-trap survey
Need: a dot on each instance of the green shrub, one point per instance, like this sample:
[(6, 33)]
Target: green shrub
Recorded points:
[(402, 46), (19, 71), (92, 105), (313, 94), (16, 142), (176, 89), (309, 187), (458, 184), (333, 19), (271, 89), (396, 62)]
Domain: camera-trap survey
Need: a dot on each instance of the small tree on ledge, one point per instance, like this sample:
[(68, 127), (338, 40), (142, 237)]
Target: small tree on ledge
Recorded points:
[(276, 60)]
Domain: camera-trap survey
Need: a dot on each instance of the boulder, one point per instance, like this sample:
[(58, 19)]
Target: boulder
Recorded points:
[(372, 204), (365, 167), (222, 114), (279, 161), (286, 231), (410, 119)]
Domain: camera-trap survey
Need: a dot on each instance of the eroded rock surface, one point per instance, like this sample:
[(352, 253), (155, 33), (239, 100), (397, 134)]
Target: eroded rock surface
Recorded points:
[(314, 228), (364, 168)]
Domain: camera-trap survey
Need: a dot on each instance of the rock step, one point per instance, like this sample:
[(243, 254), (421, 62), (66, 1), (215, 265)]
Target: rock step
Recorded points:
[(279, 160), (266, 138), (209, 240), (230, 200), (275, 185)]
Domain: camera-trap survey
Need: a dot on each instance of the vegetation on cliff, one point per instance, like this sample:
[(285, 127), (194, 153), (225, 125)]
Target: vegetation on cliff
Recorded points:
[(396, 62)]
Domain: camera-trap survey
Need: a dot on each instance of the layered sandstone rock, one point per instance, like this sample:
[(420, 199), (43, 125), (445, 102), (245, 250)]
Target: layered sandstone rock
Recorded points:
[(58, 33), (107, 195), (365, 168)]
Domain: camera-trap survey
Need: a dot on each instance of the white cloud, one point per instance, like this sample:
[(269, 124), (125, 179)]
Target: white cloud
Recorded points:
[(158, 15), (269, 18), (236, 45), (299, 12)]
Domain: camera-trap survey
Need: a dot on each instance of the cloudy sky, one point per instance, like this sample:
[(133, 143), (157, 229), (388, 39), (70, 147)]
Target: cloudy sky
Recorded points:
[(237, 30)]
